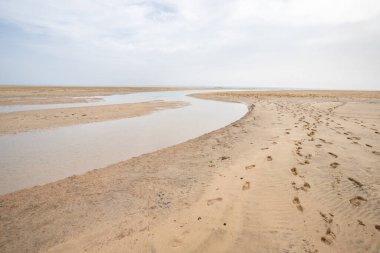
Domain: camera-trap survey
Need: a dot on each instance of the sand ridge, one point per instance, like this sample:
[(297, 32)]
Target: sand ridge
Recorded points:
[(21, 121), (31, 95), (295, 174)]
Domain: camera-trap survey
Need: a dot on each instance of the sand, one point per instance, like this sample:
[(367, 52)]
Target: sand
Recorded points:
[(298, 173), (31, 95), (21, 121)]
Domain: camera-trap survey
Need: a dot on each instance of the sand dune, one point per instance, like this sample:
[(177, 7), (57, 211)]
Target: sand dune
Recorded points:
[(295, 174)]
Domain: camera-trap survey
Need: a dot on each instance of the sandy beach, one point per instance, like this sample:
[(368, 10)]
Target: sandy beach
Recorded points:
[(298, 173)]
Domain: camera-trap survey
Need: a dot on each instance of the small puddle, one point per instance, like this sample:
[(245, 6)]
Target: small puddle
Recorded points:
[(39, 157)]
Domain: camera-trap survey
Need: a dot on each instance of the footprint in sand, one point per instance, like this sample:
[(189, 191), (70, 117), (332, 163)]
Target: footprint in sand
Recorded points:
[(370, 146), (298, 152), (356, 201), (324, 141), (213, 201), (305, 187), (361, 223), (334, 155), (376, 152), (297, 202), (294, 171), (334, 165), (329, 237), (318, 145), (250, 167), (246, 186), (269, 158), (176, 243), (327, 219), (356, 182)]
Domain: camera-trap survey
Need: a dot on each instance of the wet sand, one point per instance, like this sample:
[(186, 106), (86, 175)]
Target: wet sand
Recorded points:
[(32, 95), (21, 121), (298, 173)]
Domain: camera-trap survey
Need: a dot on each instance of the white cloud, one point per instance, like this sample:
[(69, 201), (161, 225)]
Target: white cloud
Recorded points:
[(213, 41), (306, 12)]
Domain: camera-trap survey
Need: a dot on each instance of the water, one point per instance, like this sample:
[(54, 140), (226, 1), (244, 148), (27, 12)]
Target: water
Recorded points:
[(108, 100), (39, 157)]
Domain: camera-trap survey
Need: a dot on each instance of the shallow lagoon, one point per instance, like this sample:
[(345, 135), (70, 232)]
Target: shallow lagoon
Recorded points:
[(39, 157)]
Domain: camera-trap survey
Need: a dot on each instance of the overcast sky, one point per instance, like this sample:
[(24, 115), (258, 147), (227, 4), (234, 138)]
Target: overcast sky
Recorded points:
[(258, 43)]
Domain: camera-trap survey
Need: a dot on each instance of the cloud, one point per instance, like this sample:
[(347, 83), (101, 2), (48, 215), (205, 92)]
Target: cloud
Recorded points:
[(301, 12), (283, 42)]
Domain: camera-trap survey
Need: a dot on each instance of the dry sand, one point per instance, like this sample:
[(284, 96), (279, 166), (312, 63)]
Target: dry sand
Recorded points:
[(298, 173), (21, 121)]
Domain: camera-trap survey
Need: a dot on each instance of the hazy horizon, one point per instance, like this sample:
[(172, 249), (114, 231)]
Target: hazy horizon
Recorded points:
[(258, 44), (252, 87)]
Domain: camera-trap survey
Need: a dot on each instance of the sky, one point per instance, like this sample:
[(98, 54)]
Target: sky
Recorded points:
[(324, 44)]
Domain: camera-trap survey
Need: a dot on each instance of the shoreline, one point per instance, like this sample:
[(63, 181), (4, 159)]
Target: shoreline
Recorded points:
[(288, 161)]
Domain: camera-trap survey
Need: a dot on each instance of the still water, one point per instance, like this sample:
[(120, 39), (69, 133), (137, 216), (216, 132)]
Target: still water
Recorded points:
[(39, 157)]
